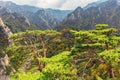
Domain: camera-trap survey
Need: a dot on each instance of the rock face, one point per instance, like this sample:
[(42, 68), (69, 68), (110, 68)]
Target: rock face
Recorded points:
[(43, 20), (5, 32), (4, 68), (16, 22), (59, 15), (106, 12)]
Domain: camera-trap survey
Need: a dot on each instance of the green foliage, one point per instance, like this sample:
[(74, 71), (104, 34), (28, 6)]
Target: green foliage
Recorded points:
[(101, 26), (31, 45), (111, 57), (83, 55), (57, 68), (95, 48), (25, 76)]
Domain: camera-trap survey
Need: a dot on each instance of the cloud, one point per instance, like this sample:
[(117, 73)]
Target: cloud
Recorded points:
[(72, 4), (56, 4), (51, 3)]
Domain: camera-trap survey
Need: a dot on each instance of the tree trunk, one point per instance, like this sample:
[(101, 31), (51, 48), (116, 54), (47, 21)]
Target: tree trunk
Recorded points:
[(111, 72), (107, 46), (40, 66), (44, 48)]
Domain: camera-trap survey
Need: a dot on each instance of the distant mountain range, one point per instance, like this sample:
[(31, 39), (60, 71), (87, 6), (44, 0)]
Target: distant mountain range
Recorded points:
[(31, 17), (22, 17), (106, 11)]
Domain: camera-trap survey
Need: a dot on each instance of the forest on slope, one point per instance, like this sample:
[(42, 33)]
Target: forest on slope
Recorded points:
[(64, 55)]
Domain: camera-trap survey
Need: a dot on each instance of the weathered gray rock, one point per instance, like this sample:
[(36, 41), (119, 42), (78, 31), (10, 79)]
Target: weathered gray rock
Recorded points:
[(5, 68)]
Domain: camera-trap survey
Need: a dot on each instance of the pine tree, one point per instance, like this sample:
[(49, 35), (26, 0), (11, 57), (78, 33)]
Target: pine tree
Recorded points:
[(29, 46), (96, 52)]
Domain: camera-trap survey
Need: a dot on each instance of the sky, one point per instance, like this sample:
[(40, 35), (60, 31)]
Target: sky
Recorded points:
[(55, 4)]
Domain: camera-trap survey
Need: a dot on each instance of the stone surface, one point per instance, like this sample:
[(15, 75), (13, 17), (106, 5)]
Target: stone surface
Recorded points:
[(5, 68)]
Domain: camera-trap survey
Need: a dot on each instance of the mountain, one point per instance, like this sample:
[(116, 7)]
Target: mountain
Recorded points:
[(106, 12), (59, 15), (18, 8), (43, 20), (15, 21), (26, 17), (31, 12), (94, 4)]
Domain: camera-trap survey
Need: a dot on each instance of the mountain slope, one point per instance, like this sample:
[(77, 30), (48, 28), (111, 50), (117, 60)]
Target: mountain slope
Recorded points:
[(15, 21), (27, 10), (18, 8), (43, 20), (95, 4), (59, 15), (107, 12)]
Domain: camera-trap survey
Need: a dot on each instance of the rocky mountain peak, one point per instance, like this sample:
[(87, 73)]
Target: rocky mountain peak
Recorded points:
[(5, 29), (43, 20), (107, 11), (42, 13), (78, 9), (1, 22)]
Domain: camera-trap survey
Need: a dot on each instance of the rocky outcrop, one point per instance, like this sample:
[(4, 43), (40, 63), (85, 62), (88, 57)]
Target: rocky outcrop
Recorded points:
[(5, 32), (5, 28), (17, 22), (43, 20), (4, 68)]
